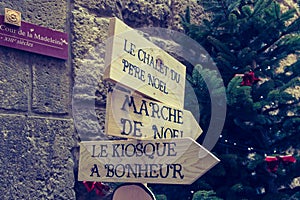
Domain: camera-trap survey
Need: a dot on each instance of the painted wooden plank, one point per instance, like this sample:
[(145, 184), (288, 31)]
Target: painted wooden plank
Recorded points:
[(135, 62), (137, 117), (169, 161)]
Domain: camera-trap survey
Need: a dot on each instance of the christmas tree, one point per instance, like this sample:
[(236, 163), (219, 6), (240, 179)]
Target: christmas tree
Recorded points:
[(256, 46)]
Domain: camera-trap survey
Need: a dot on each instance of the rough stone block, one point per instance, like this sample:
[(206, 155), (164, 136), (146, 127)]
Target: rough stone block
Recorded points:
[(89, 122), (51, 86), (146, 13), (51, 14), (36, 160), (90, 34), (14, 80), (134, 13)]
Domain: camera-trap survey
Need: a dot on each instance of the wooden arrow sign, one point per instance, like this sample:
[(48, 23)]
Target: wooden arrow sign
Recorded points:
[(137, 117), (134, 61), (169, 161)]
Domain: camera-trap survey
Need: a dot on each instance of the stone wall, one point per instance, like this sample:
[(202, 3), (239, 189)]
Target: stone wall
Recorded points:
[(48, 105), (36, 127)]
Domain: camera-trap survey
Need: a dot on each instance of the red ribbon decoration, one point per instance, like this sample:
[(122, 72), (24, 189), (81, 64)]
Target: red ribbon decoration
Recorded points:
[(249, 79), (100, 188), (274, 161)]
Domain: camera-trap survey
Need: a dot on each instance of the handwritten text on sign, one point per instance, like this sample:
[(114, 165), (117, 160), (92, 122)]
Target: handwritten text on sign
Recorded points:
[(134, 116), (173, 161), (33, 38), (134, 61)]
